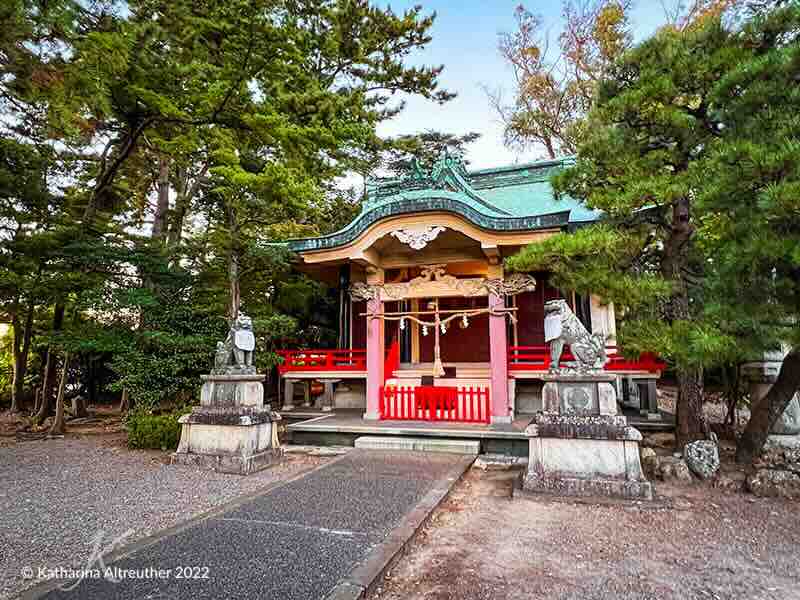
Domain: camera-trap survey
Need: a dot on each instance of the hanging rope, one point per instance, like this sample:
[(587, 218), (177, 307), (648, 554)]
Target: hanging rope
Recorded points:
[(454, 314)]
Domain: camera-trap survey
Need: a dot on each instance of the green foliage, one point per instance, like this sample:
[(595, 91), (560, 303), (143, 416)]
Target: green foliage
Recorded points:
[(236, 117), (700, 121), (595, 260), (147, 429), (651, 124), (751, 205)]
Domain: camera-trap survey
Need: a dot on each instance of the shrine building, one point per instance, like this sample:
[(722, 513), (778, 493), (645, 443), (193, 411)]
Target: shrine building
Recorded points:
[(431, 327)]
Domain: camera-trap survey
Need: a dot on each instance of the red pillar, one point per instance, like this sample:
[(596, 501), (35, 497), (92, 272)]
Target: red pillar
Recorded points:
[(375, 358), (498, 357)]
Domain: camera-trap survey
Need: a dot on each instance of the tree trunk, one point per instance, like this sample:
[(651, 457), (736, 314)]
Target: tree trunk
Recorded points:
[(551, 151), (732, 381), (691, 422), (43, 409), (233, 268), (233, 280), (22, 346), (162, 203), (50, 369), (769, 409), (58, 422), (91, 383), (183, 200), (124, 402)]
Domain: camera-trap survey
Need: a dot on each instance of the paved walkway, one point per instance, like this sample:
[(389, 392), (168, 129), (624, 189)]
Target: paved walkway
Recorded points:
[(295, 542)]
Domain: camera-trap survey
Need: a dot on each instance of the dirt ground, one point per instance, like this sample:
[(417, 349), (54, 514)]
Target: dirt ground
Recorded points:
[(103, 421), (696, 542)]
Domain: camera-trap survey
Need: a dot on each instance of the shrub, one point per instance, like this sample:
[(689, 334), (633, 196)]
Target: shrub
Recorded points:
[(160, 431)]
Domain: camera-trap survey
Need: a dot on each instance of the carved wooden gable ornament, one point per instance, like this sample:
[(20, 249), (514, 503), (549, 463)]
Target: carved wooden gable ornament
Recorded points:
[(418, 237), (434, 281)]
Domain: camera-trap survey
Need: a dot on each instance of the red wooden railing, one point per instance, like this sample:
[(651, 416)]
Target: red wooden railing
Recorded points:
[(323, 360), (537, 358), (435, 403), (520, 358)]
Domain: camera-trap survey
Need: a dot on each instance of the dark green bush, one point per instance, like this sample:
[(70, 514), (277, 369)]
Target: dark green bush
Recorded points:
[(148, 430)]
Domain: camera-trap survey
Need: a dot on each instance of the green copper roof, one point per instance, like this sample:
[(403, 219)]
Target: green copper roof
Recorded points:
[(516, 198)]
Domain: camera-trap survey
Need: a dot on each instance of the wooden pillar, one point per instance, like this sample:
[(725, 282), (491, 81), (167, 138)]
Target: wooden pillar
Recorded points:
[(414, 333), (498, 357), (375, 358)]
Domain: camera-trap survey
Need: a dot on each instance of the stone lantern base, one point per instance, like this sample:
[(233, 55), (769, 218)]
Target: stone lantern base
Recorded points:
[(579, 446), (230, 431)]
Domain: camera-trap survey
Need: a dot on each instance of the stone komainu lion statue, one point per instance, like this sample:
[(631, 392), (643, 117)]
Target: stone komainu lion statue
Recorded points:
[(561, 326), (235, 354)]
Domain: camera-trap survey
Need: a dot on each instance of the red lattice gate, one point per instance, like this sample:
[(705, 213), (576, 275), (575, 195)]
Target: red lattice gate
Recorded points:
[(435, 403)]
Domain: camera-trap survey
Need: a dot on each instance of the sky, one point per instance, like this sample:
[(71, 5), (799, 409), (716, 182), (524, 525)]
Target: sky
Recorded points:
[(465, 36)]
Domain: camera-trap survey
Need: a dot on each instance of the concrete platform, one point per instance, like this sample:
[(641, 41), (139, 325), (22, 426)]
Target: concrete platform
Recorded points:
[(351, 421), (343, 427), (450, 446)]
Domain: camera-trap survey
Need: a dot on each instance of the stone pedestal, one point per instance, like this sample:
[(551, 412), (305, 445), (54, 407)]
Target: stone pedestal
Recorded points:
[(761, 375), (231, 431), (579, 445)]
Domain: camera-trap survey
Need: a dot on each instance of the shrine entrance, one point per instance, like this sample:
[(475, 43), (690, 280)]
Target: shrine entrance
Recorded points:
[(441, 313)]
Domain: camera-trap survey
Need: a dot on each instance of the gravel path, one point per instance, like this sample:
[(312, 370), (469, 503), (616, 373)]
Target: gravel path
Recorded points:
[(293, 542), (56, 495), (711, 545)]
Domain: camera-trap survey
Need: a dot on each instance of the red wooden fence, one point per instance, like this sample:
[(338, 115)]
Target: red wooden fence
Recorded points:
[(522, 358), (435, 403), (537, 358), (322, 360)]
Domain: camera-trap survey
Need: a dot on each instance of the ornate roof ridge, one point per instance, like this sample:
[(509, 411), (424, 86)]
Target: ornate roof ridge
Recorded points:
[(448, 173)]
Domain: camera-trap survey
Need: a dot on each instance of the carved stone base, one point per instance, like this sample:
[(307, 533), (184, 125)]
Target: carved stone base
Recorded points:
[(237, 465), (214, 441), (572, 486), (586, 467), (230, 431), (232, 390), (579, 446), (580, 394)]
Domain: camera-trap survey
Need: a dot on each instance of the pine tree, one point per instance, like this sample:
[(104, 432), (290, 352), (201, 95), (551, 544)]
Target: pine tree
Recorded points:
[(749, 191), (652, 123), (692, 154), (234, 116)]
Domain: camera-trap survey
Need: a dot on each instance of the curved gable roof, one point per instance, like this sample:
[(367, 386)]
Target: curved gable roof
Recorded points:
[(516, 198)]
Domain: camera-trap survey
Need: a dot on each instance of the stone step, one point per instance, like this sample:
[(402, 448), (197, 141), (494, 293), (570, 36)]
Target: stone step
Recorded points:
[(375, 442)]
